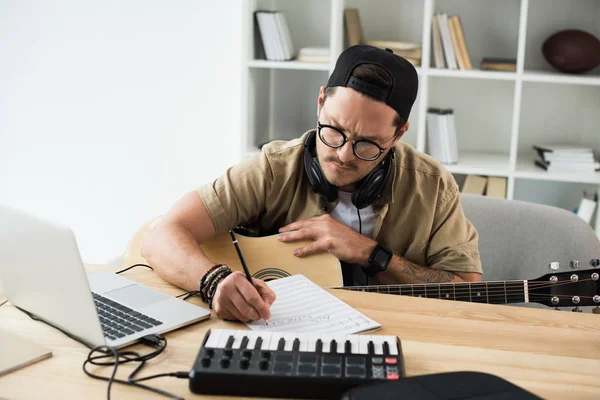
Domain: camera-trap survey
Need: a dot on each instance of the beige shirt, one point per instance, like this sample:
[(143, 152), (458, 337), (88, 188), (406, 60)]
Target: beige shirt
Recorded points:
[(419, 215)]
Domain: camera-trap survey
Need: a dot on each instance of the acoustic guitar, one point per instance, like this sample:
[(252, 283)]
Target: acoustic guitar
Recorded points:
[(267, 258)]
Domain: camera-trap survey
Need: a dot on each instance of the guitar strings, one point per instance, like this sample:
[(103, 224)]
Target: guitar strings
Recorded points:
[(467, 285), (462, 290)]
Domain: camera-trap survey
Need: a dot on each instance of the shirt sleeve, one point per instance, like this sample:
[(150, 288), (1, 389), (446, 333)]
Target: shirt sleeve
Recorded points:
[(239, 196), (454, 244)]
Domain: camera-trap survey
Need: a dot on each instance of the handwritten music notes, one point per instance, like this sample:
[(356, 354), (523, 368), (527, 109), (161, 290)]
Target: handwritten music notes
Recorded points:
[(303, 306)]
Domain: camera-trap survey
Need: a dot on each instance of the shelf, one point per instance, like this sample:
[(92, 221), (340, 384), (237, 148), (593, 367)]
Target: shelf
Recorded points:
[(527, 170), (558, 77), (489, 164), (473, 74), (289, 65)]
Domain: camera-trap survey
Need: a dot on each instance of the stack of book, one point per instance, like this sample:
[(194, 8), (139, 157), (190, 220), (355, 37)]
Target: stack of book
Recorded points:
[(314, 54), (449, 44), (441, 135), (410, 50), (498, 64), (275, 35), (566, 158)]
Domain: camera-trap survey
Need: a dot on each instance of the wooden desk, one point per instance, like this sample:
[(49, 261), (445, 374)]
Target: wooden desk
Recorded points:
[(553, 354)]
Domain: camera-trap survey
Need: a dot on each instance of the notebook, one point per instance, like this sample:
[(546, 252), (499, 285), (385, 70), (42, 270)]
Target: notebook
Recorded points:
[(18, 352), (303, 306)]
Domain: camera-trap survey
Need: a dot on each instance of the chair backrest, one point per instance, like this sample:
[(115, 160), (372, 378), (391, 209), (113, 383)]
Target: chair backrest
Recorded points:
[(518, 239)]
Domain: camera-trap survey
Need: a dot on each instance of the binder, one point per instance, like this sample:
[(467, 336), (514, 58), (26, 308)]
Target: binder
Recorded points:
[(496, 187), (475, 184)]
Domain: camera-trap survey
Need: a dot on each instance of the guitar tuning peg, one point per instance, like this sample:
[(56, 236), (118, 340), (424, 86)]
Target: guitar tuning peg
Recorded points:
[(574, 264), (554, 266), (596, 310), (577, 309), (594, 262)]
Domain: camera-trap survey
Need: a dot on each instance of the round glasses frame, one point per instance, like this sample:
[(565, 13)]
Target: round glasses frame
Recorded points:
[(354, 142)]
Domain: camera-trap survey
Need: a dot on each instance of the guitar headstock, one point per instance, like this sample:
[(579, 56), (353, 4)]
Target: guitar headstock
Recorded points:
[(567, 289)]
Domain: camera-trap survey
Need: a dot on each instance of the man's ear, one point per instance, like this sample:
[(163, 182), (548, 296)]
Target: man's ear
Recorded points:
[(320, 99), (401, 132)]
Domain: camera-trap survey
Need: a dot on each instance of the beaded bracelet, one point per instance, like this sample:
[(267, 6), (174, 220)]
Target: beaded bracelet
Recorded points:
[(213, 286), (206, 279), (208, 284)]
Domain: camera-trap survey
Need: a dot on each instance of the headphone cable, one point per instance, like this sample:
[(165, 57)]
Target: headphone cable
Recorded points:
[(360, 232)]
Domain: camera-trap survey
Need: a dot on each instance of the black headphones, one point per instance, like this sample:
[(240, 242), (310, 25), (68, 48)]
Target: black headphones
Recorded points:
[(367, 190)]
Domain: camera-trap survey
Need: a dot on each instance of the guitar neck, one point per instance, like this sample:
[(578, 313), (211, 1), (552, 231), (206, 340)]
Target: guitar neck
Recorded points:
[(497, 292)]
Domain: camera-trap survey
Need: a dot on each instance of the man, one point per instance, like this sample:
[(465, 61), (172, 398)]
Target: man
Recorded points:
[(388, 212)]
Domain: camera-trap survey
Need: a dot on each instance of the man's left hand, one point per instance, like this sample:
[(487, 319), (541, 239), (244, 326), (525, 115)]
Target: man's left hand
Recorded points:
[(330, 235)]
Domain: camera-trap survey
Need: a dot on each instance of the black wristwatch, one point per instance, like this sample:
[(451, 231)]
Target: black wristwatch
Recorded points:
[(378, 260)]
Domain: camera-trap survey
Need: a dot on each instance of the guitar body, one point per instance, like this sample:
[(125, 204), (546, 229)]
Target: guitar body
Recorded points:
[(267, 258)]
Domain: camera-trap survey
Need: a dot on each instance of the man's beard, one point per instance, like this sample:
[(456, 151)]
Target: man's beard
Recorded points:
[(340, 178)]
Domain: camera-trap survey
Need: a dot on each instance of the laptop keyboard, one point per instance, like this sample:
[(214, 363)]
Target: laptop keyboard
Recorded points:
[(118, 320)]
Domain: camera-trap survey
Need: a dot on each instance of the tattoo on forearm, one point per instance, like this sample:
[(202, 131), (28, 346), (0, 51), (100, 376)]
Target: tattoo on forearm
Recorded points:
[(425, 274)]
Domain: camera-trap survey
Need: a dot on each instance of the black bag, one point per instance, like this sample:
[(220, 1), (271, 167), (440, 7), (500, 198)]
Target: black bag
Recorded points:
[(444, 386)]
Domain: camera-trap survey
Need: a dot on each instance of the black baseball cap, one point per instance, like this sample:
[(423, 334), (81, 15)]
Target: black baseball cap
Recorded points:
[(405, 81)]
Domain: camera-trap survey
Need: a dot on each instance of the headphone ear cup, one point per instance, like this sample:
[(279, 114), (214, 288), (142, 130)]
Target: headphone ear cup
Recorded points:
[(314, 173), (371, 186)]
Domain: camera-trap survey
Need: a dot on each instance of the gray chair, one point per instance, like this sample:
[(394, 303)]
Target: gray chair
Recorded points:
[(518, 240)]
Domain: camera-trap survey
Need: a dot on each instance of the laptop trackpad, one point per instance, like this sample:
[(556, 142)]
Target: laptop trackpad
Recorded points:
[(137, 296)]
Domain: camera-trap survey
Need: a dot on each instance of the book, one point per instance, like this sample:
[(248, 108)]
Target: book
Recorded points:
[(455, 47), (462, 43), (314, 54), (438, 54), (303, 306), (448, 114), (447, 41), (474, 184), (562, 148), (275, 35), (396, 45), (353, 27), (18, 352), (433, 139), (498, 64), (586, 209), (284, 29), (268, 46), (441, 135), (496, 187), (568, 167)]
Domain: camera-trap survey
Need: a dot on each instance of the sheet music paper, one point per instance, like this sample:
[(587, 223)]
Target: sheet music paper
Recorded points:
[(303, 306)]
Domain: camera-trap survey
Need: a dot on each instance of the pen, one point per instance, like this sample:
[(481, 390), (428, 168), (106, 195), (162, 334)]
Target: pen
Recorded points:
[(244, 266)]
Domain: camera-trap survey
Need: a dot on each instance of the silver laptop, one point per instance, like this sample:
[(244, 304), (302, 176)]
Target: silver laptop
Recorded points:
[(42, 273)]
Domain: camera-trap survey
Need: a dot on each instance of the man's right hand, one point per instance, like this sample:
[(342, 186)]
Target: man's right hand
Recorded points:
[(237, 299)]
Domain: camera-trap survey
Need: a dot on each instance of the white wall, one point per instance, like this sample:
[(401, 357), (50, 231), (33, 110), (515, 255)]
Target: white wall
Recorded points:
[(111, 110)]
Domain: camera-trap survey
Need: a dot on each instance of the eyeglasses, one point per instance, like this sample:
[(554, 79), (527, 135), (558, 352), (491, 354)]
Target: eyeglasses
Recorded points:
[(364, 149)]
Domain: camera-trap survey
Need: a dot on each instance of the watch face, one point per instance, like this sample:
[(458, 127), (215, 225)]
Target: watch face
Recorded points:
[(381, 257)]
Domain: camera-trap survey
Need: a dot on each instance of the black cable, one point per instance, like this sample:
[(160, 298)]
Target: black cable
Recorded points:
[(189, 294), (126, 356), (133, 266), (360, 232), (3, 303), (117, 358)]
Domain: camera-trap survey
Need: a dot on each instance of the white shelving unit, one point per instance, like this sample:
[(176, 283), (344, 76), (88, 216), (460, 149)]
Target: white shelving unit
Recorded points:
[(499, 115)]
